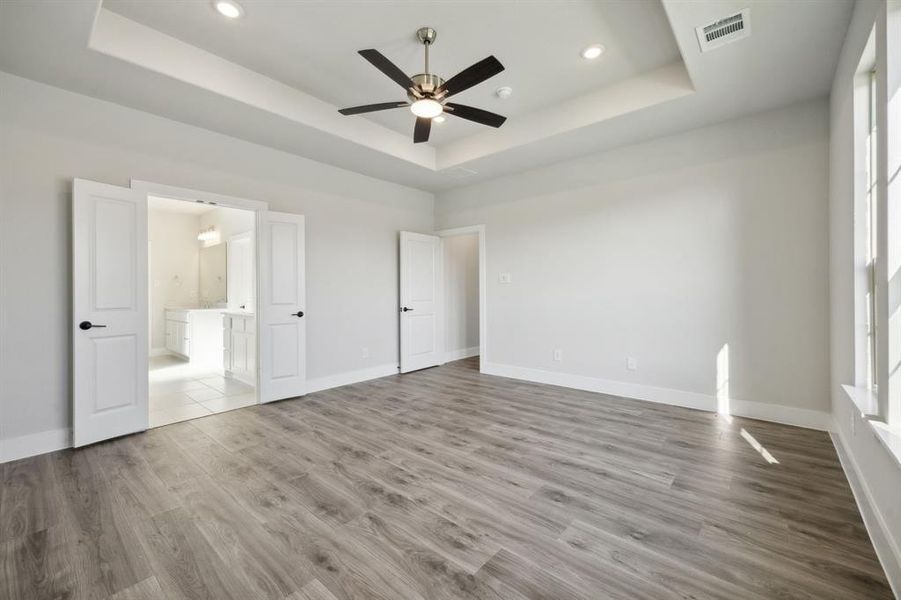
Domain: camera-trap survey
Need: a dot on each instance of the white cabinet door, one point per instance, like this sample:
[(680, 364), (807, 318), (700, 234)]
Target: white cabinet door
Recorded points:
[(239, 353), (109, 312), (184, 339), (281, 309), (421, 329), (171, 336)]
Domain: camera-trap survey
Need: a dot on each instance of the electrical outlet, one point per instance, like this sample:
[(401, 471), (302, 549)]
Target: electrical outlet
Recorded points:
[(505, 278), (558, 355), (631, 363), (364, 352)]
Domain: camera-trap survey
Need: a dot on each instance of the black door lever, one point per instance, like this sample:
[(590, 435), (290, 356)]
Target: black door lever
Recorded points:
[(405, 309), (297, 314), (85, 325)]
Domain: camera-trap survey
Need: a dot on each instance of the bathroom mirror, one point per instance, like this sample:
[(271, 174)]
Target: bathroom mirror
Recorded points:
[(213, 279)]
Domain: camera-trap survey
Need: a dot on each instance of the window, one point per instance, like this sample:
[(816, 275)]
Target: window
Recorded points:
[(870, 228), (865, 202)]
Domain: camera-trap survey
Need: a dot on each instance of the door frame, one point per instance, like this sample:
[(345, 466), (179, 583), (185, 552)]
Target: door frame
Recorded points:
[(483, 287), (150, 188)]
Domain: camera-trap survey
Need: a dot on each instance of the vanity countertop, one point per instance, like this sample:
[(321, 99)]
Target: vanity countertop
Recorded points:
[(236, 313), (193, 308)]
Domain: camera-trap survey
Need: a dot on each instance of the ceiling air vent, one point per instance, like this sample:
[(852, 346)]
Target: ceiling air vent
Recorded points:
[(724, 31)]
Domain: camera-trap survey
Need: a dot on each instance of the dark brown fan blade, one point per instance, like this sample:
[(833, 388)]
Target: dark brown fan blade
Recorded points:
[(422, 130), (475, 114), (387, 67), (474, 75), (355, 110)]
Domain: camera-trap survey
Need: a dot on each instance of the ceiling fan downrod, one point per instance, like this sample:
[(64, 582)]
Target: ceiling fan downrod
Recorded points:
[(427, 37), (426, 84)]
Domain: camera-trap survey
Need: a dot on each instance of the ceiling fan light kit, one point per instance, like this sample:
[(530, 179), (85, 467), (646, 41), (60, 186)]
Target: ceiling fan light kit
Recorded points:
[(426, 108), (427, 93)]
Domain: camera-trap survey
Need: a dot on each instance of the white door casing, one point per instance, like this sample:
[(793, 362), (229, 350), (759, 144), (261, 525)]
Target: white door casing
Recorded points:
[(282, 320), (109, 312), (421, 326)]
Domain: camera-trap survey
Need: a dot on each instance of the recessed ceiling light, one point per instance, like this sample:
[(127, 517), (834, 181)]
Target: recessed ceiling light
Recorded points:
[(504, 92), (228, 8), (438, 119), (592, 52)]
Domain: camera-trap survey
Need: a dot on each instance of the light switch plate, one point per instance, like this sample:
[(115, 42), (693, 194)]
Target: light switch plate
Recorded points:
[(631, 364), (505, 278)]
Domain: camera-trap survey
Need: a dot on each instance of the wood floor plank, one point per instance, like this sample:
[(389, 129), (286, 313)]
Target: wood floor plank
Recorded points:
[(337, 560), (440, 484), (184, 563), (313, 591), (529, 579), (27, 492), (98, 522), (432, 574), (44, 564), (148, 589)]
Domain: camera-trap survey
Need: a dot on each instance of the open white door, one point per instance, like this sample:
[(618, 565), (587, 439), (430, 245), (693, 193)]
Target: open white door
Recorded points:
[(421, 328), (281, 308), (109, 312)]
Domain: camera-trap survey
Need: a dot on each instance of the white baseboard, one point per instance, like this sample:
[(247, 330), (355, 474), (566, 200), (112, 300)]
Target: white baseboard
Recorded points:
[(159, 352), (800, 417), (880, 535), (339, 379), (34, 444), (461, 353)]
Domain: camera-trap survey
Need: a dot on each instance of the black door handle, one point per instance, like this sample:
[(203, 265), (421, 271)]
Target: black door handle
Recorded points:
[(85, 325), (297, 314), (405, 309)]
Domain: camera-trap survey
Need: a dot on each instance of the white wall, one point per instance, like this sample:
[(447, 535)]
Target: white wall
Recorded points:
[(461, 294), (174, 267), (49, 136), (666, 251), (875, 476)]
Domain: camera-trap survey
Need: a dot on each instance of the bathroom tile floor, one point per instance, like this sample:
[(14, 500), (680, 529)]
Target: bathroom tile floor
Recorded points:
[(180, 391)]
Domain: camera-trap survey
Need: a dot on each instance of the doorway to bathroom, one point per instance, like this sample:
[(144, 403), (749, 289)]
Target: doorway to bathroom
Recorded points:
[(263, 329), (202, 309)]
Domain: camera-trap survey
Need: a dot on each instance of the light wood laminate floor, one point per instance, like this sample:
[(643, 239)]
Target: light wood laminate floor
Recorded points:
[(435, 485)]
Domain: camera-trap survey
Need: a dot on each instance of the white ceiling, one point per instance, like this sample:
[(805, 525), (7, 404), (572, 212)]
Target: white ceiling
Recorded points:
[(278, 76), (538, 43)]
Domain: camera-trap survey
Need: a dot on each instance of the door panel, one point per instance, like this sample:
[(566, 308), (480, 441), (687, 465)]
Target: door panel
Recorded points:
[(421, 331), (282, 296), (109, 274), (113, 359)]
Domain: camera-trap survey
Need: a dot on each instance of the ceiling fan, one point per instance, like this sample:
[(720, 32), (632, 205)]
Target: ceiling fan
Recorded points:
[(427, 93)]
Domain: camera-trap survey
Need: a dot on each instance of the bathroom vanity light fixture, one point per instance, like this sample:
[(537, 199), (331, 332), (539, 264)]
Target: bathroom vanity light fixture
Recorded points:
[(208, 235)]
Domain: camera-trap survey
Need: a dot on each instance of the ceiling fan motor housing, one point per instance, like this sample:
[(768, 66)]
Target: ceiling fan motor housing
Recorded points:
[(426, 83)]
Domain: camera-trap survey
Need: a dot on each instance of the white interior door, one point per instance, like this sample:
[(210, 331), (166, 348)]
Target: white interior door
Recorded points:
[(421, 328), (109, 312), (281, 307)]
